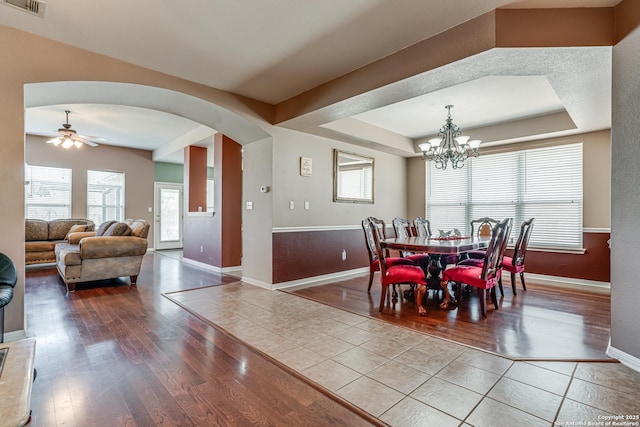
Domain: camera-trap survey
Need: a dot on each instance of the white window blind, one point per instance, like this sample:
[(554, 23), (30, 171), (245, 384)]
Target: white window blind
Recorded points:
[(105, 196), (355, 181), (47, 192), (541, 183)]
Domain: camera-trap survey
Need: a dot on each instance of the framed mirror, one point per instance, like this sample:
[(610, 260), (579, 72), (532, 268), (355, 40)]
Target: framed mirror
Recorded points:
[(352, 177)]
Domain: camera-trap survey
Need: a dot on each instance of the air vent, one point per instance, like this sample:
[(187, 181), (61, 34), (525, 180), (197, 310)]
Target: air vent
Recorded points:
[(35, 7)]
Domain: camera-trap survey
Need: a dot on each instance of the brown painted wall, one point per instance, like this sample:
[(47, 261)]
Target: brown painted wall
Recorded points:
[(200, 233), (298, 255)]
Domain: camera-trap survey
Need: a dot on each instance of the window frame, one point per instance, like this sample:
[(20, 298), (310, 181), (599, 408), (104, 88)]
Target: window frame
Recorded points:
[(29, 186)]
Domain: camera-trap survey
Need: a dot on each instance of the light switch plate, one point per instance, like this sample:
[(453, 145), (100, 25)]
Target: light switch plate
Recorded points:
[(249, 205), (292, 204), (306, 205)]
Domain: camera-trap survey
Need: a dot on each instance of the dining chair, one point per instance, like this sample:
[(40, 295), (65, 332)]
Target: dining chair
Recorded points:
[(481, 227), (378, 230), (485, 276), (515, 263), (395, 274), (402, 228), (422, 227)]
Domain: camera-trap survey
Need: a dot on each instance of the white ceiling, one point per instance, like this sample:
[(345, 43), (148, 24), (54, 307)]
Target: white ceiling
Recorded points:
[(272, 51)]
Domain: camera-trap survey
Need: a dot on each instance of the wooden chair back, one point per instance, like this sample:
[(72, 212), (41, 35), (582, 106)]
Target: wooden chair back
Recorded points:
[(374, 228), (483, 227), (422, 226), (520, 250), (495, 250)]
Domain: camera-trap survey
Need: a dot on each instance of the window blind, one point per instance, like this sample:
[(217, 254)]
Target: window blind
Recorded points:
[(105, 196), (542, 183), (47, 192)]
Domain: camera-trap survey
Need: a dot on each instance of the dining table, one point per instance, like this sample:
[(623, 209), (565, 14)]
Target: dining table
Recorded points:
[(442, 251)]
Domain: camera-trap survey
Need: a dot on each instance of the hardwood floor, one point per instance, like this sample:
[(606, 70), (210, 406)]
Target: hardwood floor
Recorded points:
[(542, 323), (110, 354), (118, 355)]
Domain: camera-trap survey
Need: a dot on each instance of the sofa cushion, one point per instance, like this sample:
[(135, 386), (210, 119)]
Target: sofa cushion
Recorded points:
[(139, 228), (68, 254), (58, 228), (75, 228), (104, 226), (40, 246), (36, 229), (118, 229)]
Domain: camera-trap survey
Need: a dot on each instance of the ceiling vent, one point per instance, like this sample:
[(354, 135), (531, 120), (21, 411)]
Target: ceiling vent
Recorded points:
[(35, 7)]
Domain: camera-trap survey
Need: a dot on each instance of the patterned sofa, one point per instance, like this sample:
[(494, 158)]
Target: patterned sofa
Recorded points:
[(114, 250), (42, 236)]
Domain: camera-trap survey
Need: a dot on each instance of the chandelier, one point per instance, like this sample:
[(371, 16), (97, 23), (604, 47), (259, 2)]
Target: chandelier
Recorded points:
[(449, 146)]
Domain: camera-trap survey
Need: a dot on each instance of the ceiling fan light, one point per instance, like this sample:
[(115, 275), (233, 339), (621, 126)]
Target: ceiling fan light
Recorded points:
[(67, 143), (55, 141), (78, 144)]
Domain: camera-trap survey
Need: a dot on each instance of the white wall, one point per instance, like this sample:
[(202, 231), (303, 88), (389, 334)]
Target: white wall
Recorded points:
[(625, 198)]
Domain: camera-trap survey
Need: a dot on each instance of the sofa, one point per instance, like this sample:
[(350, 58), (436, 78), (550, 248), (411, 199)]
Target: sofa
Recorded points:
[(42, 236), (114, 250)]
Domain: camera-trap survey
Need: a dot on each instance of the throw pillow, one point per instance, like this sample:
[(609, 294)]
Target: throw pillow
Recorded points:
[(104, 226), (75, 228), (118, 229)]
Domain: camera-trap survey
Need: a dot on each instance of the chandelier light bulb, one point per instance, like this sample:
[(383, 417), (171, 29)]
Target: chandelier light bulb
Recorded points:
[(450, 146)]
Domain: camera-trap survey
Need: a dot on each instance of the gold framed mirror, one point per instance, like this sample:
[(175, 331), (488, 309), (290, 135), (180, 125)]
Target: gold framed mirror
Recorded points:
[(353, 177)]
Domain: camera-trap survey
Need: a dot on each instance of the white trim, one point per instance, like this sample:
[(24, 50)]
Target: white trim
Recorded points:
[(15, 335), (576, 251), (315, 228), (323, 279), (596, 230), (225, 270), (624, 358), (565, 282), (256, 282)]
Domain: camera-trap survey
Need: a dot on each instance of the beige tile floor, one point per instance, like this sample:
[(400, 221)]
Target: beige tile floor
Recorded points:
[(408, 378)]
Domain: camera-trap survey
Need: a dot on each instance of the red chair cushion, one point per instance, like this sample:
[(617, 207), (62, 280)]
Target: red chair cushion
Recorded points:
[(404, 274), (507, 264), (469, 275), (391, 261)]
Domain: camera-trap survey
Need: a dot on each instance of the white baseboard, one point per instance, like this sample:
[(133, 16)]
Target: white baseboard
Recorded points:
[(624, 358), (256, 282), (224, 270), (323, 279), (564, 282), (15, 335)]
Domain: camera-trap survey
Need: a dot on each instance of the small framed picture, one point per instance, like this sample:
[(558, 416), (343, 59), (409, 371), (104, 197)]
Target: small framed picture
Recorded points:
[(305, 166)]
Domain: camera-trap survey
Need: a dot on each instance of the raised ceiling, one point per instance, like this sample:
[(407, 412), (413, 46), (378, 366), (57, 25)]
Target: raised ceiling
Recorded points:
[(273, 51)]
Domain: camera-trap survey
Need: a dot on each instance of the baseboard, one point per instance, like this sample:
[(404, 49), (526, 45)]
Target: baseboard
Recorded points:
[(223, 270), (624, 358), (15, 335), (323, 279), (256, 282), (565, 282)]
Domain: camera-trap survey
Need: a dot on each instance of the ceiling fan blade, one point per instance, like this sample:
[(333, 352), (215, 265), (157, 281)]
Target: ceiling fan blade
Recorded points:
[(91, 138), (85, 141)]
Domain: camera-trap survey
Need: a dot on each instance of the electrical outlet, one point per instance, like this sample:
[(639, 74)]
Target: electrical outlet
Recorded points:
[(344, 254), (201, 249)]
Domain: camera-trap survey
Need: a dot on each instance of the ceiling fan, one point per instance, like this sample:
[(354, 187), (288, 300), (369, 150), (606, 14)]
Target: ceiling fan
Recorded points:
[(69, 137)]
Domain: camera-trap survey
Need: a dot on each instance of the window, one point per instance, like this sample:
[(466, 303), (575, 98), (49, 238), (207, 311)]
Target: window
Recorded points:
[(542, 183), (47, 192), (105, 196)]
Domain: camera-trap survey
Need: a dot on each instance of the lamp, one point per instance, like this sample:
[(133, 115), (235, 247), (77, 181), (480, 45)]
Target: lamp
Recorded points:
[(450, 146)]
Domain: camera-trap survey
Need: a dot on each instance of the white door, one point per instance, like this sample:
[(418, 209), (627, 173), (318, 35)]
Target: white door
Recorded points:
[(168, 207)]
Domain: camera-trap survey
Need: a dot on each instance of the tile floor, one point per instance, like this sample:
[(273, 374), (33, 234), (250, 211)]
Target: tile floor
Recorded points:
[(408, 378)]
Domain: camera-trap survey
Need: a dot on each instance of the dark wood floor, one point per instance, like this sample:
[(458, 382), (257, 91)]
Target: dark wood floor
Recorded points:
[(542, 323), (116, 355)]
